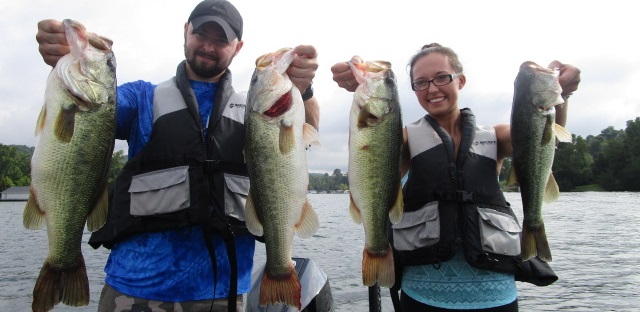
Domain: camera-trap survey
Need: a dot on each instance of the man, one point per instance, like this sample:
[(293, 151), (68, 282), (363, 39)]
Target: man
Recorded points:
[(178, 202)]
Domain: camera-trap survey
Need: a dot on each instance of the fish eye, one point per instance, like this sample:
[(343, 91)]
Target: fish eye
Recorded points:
[(390, 79), (254, 77), (111, 63)]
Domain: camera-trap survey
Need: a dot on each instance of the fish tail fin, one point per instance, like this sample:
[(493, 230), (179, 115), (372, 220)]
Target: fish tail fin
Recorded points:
[(33, 217), (287, 140), (551, 191), (281, 289), (310, 135), (98, 215), (354, 212), (76, 286), (308, 223), (377, 267), (54, 286), (395, 214), (534, 242), (251, 218)]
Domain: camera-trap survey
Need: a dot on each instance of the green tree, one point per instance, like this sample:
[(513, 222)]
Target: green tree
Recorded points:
[(611, 164), (118, 161), (629, 177), (339, 181), (14, 166), (325, 183), (573, 164), (505, 169), (319, 182)]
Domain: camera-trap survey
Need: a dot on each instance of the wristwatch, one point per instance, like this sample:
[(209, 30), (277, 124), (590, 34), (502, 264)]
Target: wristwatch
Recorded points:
[(308, 93)]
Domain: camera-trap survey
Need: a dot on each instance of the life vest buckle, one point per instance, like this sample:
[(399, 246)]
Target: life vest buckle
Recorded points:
[(464, 196)]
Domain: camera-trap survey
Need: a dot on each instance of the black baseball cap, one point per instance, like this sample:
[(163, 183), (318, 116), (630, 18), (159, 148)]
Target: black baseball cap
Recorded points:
[(221, 12)]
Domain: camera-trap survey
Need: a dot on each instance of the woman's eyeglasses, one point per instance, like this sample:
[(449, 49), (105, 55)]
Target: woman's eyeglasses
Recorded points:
[(441, 80)]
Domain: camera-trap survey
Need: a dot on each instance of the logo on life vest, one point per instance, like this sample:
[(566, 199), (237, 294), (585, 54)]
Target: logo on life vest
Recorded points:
[(489, 142), (232, 105)]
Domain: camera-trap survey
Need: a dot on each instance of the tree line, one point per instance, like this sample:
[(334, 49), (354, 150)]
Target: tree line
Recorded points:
[(609, 161), (15, 165)]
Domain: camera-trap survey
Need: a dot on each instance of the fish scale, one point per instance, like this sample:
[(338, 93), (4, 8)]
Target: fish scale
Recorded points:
[(375, 140), (533, 136), (275, 151), (69, 166)]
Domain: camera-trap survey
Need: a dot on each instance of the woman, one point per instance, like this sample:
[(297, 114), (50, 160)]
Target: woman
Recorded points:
[(452, 185)]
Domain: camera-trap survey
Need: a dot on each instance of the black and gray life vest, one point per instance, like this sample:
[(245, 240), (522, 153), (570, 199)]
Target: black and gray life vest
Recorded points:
[(180, 177), (452, 204)]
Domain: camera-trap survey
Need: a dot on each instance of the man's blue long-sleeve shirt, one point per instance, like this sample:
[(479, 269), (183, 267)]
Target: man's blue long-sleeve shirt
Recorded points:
[(171, 265)]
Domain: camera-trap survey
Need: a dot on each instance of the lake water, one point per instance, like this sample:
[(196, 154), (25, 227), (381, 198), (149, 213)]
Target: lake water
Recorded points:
[(593, 237)]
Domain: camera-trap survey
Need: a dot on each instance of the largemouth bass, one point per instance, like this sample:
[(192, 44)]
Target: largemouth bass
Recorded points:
[(76, 130), (276, 141), (533, 135), (375, 142)]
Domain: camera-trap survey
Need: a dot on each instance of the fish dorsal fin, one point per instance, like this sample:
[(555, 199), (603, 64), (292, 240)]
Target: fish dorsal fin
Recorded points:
[(562, 134), (310, 135), (551, 191), (251, 218), (308, 223), (395, 214), (356, 216)]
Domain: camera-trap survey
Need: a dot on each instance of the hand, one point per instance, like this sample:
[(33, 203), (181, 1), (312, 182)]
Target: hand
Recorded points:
[(52, 42), (569, 77), (303, 68), (343, 75)]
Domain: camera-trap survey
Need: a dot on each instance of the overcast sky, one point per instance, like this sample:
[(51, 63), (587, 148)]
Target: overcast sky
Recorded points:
[(492, 39)]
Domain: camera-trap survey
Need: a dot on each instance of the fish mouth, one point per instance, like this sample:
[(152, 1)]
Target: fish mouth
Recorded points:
[(280, 107)]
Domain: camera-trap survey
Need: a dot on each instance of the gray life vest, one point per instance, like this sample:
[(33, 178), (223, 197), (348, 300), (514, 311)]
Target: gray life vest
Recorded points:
[(181, 178), (455, 203)]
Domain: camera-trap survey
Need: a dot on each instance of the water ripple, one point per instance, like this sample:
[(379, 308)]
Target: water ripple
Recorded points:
[(593, 239)]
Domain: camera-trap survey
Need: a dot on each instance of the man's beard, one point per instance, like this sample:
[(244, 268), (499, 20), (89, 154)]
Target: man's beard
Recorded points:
[(204, 71)]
